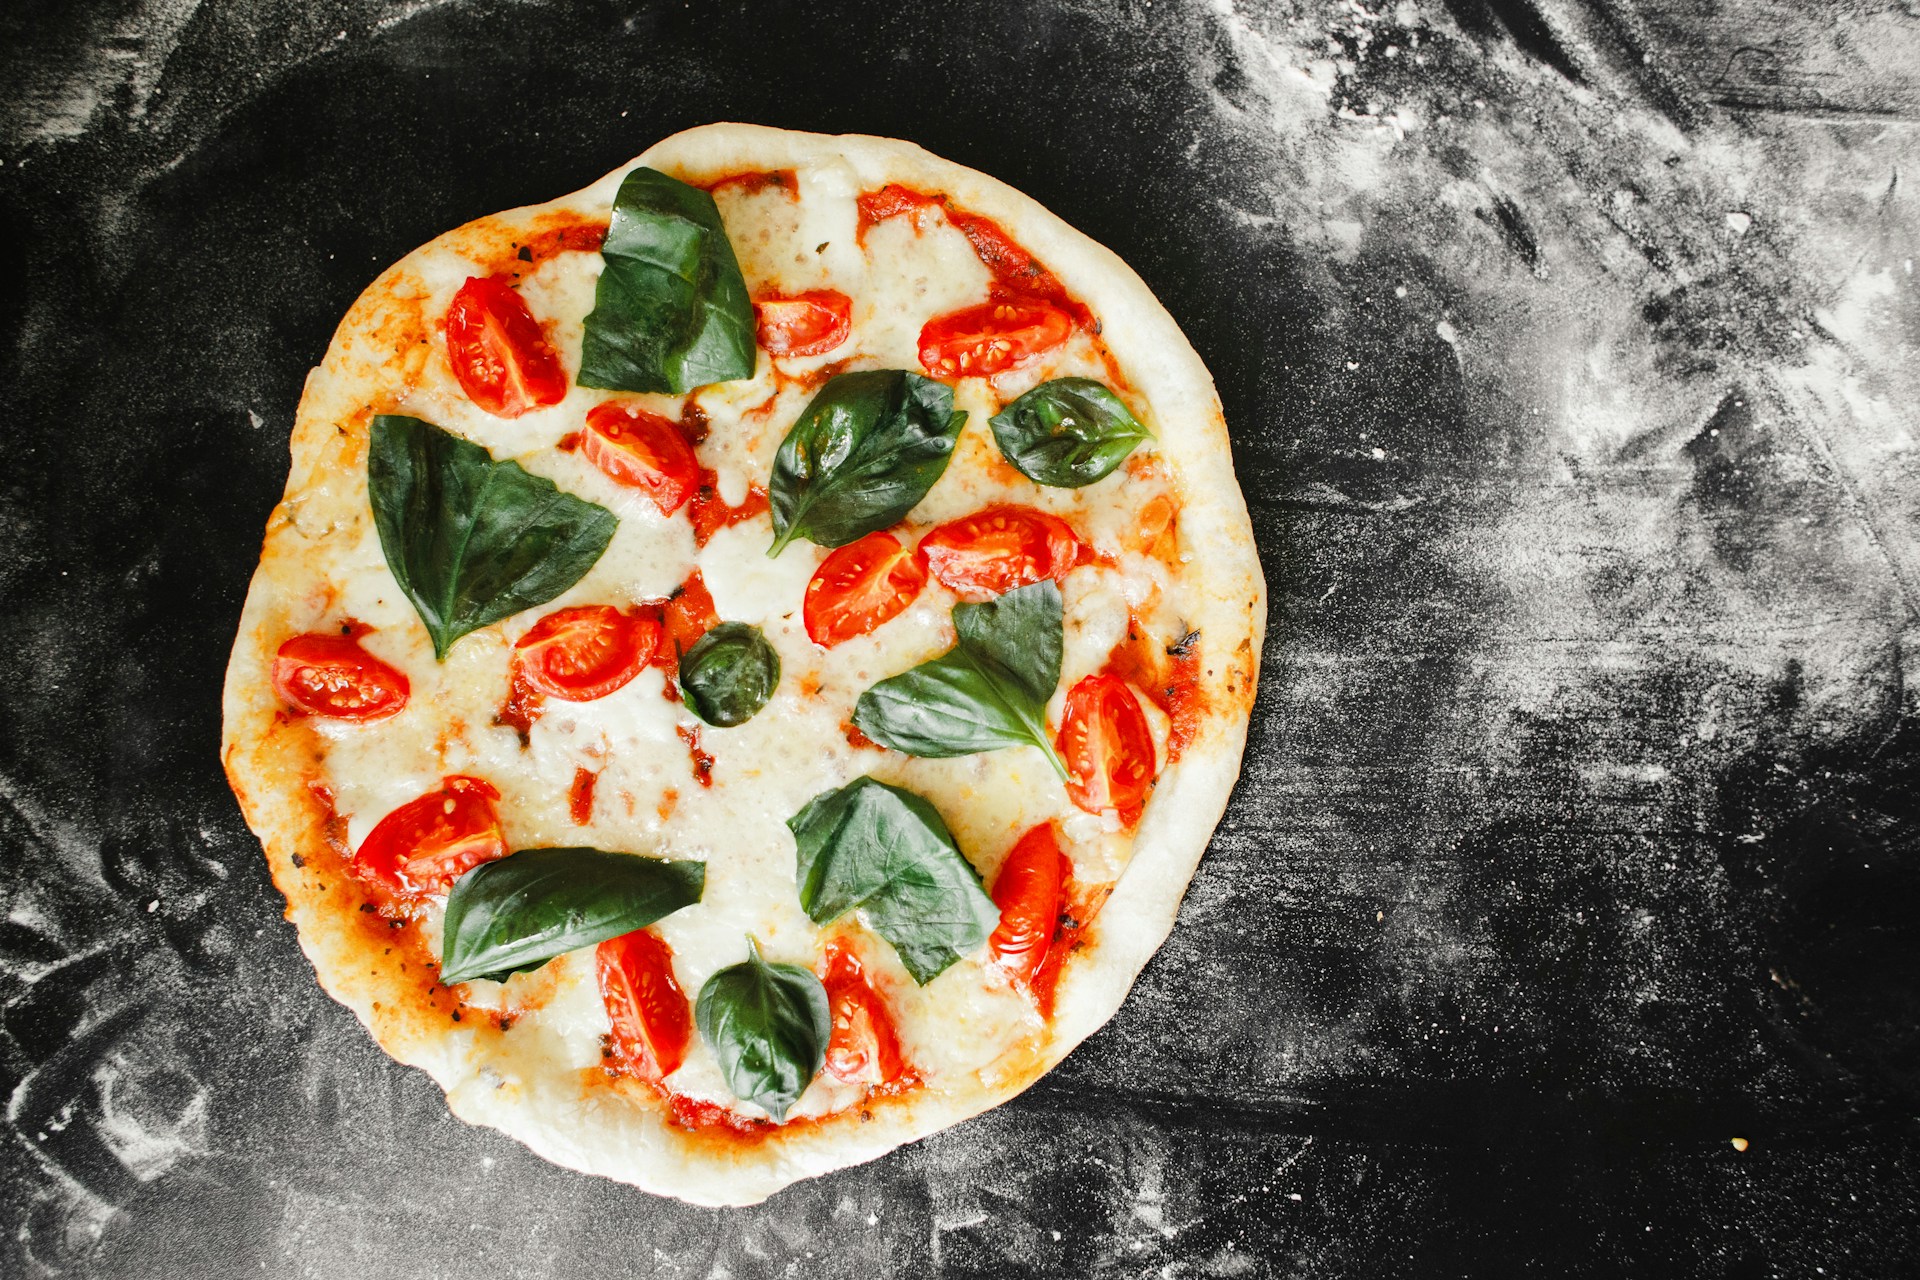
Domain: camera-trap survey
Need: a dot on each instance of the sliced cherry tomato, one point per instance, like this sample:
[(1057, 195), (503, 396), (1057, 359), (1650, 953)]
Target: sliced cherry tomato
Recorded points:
[(687, 615), (994, 336), (860, 586), (804, 324), (993, 551), (498, 351), (1029, 890), (427, 843), (652, 1024), (863, 1046), (1108, 747), (587, 652), (644, 450), (331, 675)]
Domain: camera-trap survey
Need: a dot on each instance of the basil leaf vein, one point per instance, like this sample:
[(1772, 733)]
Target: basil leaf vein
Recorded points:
[(524, 909), (471, 540), (1067, 433), (670, 311), (886, 852), (729, 674), (987, 692), (865, 450), (767, 1025)]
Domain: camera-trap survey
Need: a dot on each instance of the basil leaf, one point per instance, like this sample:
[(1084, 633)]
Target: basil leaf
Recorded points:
[(1067, 433), (989, 691), (865, 450), (528, 907), (729, 674), (670, 312), (471, 540), (885, 851), (768, 1026)]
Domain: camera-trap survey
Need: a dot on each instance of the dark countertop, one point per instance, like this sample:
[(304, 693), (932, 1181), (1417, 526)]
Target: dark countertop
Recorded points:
[(1567, 347)]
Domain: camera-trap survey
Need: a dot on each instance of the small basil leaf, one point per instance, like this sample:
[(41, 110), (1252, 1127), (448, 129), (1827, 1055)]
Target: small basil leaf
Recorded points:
[(471, 540), (1067, 433), (865, 450), (767, 1024), (886, 852), (525, 909), (670, 312), (989, 691), (729, 674)]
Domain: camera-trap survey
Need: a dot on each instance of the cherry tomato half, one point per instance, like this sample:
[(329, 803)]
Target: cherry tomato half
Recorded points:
[(984, 340), (652, 1023), (991, 552), (804, 324), (586, 652), (863, 1045), (860, 586), (1108, 747), (1028, 892), (331, 675), (427, 843), (644, 450), (499, 352)]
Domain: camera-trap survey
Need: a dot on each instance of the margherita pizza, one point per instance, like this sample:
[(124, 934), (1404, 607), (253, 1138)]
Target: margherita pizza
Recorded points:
[(749, 657)]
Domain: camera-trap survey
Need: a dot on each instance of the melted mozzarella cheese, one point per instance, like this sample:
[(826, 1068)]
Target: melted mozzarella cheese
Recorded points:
[(646, 798)]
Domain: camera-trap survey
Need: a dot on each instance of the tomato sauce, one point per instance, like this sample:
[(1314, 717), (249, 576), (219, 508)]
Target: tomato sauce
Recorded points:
[(710, 513), (754, 182), (1016, 272), (1170, 677), (702, 762), (580, 797), (551, 235), (523, 706)]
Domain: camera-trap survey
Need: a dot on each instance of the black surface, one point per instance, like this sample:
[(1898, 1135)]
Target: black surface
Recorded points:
[(1577, 833)]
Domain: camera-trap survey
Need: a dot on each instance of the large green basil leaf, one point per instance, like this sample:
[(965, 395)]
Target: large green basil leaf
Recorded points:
[(729, 674), (767, 1024), (471, 540), (886, 852), (1067, 433), (989, 691), (528, 907), (865, 450), (670, 312)]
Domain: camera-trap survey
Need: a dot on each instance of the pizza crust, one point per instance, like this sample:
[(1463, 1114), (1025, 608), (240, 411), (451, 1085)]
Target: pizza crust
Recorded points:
[(586, 1118)]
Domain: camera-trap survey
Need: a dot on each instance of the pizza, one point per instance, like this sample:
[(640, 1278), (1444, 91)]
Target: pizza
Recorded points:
[(749, 657)]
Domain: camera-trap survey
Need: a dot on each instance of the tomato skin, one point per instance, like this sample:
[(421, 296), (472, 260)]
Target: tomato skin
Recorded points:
[(1029, 891), (710, 513), (992, 337), (321, 674), (861, 586), (498, 351), (1108, 748), (687, 615), (647, 1009), (586, 652), (644, 450), (863, 1046), (994, 550), (426, 844), (804, 324)]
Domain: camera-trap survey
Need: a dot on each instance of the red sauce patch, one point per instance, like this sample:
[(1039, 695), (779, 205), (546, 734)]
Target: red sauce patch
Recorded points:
[(552, 235), (694, 423), (687, 615), (569, 442), (1078, 909), (580, 797), (523, 706), (855, 738), (754, 182), (1016, 272), (710, 513), (1169, 674), (702, 762)]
